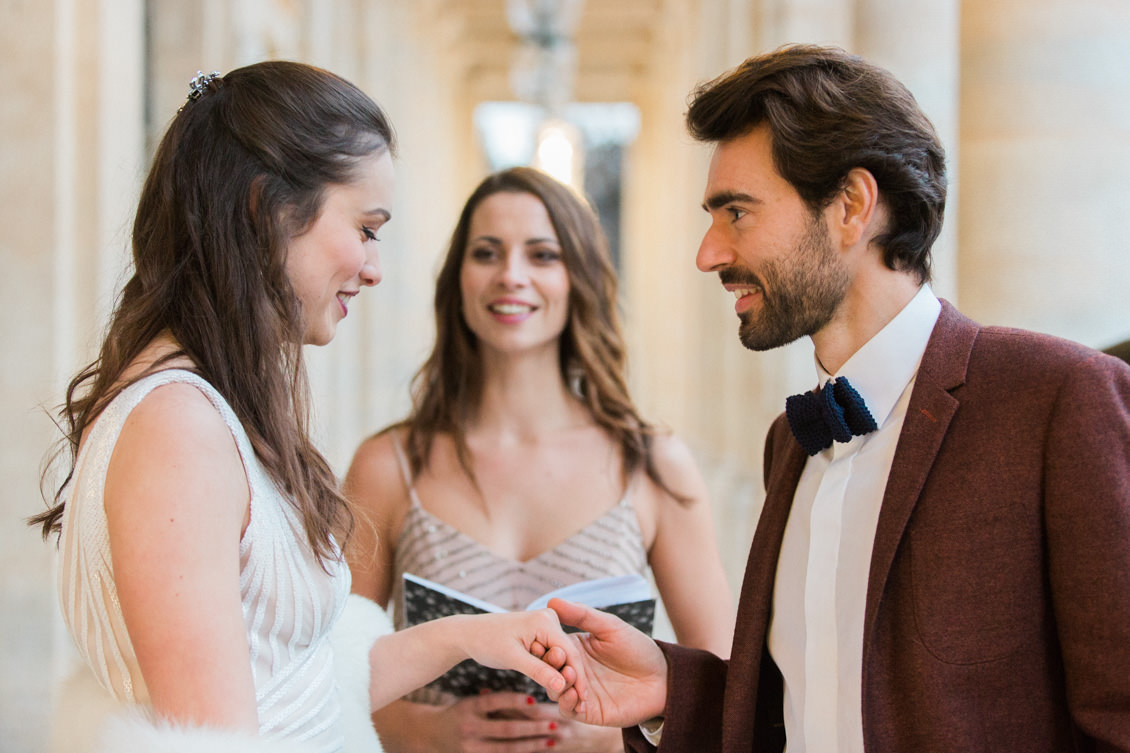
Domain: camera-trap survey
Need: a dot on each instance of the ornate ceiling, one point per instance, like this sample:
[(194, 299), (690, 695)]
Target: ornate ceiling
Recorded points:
[(613, 42)]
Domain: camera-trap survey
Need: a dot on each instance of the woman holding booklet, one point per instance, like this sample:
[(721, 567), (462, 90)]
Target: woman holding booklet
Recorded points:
[(524, 466)]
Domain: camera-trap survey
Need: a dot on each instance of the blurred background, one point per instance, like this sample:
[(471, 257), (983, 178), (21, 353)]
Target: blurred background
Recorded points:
[(1031, 97)]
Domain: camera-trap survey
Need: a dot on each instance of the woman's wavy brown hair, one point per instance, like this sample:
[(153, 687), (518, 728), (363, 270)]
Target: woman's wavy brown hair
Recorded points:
[(241, 171), (447, 390)]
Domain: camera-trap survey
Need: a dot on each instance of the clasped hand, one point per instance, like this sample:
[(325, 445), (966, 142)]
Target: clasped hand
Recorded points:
[(533, 643), (609, 674), (616, 676)]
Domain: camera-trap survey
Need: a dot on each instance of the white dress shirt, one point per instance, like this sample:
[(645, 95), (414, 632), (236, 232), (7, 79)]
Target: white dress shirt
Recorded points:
[(816, 627)]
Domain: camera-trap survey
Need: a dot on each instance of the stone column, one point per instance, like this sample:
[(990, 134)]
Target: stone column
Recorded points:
[(1045, 129), (70, 157), (919, 43), (787, 21), (405, 61), (27, 376)]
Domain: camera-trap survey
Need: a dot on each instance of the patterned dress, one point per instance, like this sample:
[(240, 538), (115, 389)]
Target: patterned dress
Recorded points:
[(432, 549)]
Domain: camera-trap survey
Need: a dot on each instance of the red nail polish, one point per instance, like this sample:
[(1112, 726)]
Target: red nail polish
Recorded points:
[(530, 700), (552, 726), (550, 743)]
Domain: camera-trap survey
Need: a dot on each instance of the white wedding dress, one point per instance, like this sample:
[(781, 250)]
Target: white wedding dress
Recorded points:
[(290, 603)]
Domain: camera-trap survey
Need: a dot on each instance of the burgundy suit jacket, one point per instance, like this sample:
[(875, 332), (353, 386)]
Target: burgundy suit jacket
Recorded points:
[(998, 602)]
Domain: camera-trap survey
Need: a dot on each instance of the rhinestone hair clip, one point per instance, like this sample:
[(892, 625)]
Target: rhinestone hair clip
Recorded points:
[(198, 85)]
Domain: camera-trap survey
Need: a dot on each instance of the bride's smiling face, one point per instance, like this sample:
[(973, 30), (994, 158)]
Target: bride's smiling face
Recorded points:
[(336, 256)]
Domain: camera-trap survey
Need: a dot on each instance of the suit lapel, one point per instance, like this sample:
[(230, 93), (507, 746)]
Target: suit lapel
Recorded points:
[(928, 416), (784, 462)]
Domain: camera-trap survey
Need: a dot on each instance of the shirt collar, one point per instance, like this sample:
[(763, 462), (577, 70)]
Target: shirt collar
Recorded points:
[(885, 365)]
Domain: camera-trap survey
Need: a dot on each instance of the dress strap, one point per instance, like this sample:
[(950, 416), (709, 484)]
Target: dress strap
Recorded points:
[(405, 469), (626, 499)]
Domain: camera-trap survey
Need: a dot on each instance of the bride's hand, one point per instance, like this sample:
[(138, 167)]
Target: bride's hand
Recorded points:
[(532, 643)]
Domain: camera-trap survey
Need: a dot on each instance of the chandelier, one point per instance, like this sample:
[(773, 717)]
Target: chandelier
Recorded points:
[(543, 72), (544, 66)]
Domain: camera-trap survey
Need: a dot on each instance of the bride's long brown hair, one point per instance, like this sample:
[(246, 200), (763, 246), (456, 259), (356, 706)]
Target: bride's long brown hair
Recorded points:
[(241, 170)]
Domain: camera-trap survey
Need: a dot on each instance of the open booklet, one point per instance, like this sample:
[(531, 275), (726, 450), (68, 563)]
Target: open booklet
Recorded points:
[(626, 596)]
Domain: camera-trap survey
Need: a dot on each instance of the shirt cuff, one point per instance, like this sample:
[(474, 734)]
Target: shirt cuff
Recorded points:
[(652, 730)]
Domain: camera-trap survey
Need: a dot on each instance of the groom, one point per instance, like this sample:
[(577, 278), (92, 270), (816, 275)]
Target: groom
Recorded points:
[(943, 559)]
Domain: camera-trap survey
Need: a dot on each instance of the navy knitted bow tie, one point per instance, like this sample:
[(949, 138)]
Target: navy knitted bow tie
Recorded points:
[(835, 411)]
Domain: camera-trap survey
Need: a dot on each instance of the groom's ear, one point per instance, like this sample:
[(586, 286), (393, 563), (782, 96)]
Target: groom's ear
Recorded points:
[(857, 208)]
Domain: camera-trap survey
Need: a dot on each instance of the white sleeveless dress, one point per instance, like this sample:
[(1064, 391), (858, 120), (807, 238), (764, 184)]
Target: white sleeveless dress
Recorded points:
[(290, 603)]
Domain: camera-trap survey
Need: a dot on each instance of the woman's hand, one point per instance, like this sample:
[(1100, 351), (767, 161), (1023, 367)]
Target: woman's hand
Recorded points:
[(532, 643), (571, 736), (491, 723)]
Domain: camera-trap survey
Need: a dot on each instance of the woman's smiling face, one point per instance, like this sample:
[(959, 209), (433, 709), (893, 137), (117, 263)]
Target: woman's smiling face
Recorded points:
[(337, 255), (513, 279)]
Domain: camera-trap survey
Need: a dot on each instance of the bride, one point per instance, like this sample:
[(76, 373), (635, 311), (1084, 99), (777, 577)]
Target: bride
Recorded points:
[(201, 532)]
